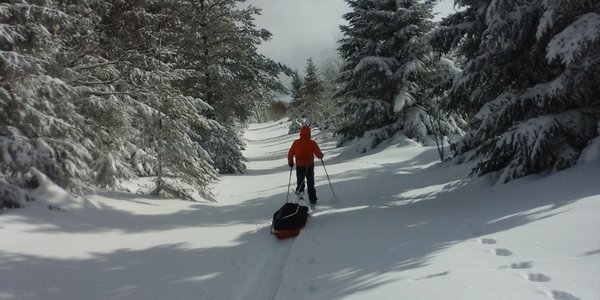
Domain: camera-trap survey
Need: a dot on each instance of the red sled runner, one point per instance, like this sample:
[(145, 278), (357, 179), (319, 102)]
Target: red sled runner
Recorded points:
[(289, 220)]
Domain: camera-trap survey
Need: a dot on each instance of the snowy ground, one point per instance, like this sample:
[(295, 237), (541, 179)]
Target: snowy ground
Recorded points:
[(401, 226)]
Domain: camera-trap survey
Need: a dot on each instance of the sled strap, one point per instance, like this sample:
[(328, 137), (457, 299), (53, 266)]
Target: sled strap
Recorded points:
[(292, 214)]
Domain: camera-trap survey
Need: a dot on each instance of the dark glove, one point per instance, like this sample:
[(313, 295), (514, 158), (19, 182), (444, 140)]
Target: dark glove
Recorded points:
[(291, 164)]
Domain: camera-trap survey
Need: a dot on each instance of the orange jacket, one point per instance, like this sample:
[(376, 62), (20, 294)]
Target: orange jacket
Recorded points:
[(303, 149)]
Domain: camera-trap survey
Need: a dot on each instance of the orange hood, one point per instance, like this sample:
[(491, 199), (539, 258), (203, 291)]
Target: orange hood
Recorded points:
[(305, 132), (304, 149)]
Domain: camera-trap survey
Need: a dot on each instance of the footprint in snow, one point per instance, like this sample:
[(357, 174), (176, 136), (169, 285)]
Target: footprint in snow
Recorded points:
[(487, 241), (589, 253), (313, 287), (558, 295), (521, 265), (433, 276), (538, 277), (476, 233), (502, 252)]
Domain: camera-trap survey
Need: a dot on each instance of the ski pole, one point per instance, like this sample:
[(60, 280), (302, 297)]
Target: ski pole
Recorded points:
[(330, 185), (289, 183)]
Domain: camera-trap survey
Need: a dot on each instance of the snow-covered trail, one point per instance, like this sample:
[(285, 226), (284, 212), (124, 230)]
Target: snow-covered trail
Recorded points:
[(402, 226)]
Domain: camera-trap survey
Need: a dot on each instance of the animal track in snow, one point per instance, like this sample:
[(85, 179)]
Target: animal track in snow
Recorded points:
[(522, 265), (502, 252), (558, 295), (487, 241), (538, 277)]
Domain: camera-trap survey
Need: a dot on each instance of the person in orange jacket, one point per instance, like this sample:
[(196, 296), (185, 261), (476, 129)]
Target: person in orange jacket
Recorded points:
[(305, 150)]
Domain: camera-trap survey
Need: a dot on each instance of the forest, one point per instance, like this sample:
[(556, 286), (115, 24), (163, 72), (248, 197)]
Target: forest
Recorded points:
[(95, 93)]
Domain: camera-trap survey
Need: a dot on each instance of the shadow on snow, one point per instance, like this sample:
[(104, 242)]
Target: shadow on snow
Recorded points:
[(387, 218)]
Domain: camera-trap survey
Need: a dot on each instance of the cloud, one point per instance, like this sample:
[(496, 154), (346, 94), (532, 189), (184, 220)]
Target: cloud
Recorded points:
[(308, 28), (301, 29)]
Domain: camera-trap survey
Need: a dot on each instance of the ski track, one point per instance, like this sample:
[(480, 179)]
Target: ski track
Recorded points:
[(269, 256), (268, 268)]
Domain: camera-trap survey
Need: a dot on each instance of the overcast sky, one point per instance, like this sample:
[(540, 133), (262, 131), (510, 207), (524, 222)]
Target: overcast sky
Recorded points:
[(306, 28)]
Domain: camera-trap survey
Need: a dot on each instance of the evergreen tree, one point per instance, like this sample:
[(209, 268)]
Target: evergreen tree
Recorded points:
[(308, 102), (219, 42), (330, 72), (312, 93), (296, 85), (384, 49), (140, 57), (93, 93), (297, 110), (39, 123), (431, 121), (529, 83)]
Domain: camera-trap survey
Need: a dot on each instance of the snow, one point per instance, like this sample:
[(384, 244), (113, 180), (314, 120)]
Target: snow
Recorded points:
[(383, 64), (592, 151), (15, 62), (403, 99), (566, 45), (401, 226), (546, 22)]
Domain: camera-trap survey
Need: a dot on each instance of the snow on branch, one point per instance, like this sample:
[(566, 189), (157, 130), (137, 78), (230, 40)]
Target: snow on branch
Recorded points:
[(9, 34), (11, 196), (531, 146), (98, 65), (404, 98), (592, 151), (567, 44), (17, 62), (383, 64)]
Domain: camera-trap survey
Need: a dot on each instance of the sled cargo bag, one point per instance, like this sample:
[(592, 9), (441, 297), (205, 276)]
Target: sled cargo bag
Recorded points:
[(289, 220)]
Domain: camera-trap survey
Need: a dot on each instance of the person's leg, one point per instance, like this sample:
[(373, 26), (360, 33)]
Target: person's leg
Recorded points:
[(300, 174), (310, 181)]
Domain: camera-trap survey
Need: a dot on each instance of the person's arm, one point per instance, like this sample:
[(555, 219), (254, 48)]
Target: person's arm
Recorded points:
[(318, 152), (291, 154)]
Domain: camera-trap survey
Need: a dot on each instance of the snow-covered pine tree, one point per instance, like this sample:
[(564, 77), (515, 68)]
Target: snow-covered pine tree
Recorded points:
[(311, 104), (219, 42), (383, 49), (225, 147), (100, 75), (430, 121), (297, 109), (94, 92), (530, 83), (184, 168), (312, 94), (330, 72), (39, 123), (149, 41), (296, 85), (86, 86)]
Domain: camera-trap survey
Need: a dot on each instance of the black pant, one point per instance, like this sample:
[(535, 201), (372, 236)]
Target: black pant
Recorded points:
[(309, 174)]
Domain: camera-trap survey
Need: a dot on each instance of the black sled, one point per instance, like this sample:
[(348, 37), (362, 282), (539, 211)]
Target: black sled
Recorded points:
[(289, 220)]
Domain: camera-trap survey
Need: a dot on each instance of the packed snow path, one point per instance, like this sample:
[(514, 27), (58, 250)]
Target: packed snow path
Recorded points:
[(402, 226)]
